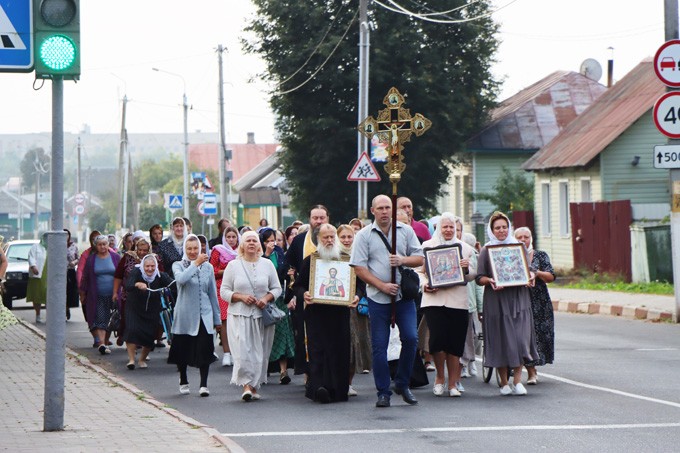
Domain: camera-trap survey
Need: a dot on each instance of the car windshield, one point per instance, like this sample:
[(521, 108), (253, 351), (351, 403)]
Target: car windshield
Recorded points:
[(18, 252)]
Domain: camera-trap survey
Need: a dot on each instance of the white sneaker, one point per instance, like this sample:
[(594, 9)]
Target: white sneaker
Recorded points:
[(203, 391), (519, 389), (506, 390), (454, 392), (184, 389), (227, 360), (472, 369), (438, 389), (460, 387), (464, 372), (351, 391), (38, 319)]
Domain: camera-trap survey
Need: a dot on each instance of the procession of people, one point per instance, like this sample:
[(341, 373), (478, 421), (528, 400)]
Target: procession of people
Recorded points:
[(327, 303)]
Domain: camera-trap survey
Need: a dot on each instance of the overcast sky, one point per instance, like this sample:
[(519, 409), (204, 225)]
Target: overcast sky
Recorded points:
[(123, 39)]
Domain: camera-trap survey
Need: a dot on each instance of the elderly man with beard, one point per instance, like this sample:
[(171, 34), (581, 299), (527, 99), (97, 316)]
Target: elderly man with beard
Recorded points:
[(372, 262), (328, 339), (302, 246)]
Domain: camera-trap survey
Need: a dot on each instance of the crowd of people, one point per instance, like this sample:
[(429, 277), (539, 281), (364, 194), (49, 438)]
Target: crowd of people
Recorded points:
[(254, 292)]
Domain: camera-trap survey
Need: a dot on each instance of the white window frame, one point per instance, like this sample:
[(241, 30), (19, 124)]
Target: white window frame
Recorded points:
[(546, 222), (585, 182), (563, 203)]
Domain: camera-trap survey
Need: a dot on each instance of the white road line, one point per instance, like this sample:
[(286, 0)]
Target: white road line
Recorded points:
[(608, 390), (656, 349), (456, 429)]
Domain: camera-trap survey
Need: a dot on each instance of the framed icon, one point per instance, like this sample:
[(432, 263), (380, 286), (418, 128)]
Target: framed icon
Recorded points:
[(331, 281), (509, 266), (442, 265)]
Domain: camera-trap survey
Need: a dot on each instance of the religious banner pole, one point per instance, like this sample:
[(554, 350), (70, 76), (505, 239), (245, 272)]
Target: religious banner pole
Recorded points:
[(394, 127)]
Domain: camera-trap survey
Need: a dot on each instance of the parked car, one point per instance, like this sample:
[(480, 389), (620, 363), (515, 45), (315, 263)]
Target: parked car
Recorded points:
[(16, 277)]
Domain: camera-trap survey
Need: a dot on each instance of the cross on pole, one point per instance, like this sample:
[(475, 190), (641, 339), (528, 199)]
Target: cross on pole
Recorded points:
[(394, 127)]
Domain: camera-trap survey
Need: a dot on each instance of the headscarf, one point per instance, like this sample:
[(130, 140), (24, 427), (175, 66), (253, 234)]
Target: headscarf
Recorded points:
[(189, 237), (531, 236), (343, 249), (179, 243), (489, 231), (137, 234), (438, 231), (155, 274), (204, 240), (226, 252)]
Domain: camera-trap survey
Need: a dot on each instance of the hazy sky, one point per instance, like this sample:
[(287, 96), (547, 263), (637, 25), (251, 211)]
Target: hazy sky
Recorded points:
[(122, 40)]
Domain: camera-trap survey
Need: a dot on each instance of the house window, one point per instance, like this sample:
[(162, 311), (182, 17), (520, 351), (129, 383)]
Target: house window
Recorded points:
[(564, 208), (585, 191), (545, 209)]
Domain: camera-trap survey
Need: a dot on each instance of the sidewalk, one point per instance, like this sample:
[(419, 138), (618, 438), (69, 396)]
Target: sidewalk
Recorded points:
[(650, 307), (102, 412)]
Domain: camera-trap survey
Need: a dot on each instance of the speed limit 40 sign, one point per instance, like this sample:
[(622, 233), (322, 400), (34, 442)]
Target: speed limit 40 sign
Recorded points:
[(667, 114)]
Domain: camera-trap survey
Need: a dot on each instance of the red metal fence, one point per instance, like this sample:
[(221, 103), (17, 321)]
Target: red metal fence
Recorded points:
[(600, 235)]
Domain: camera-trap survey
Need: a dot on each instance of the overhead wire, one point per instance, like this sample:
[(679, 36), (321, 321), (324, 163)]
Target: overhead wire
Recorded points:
[(444, 13), (401, 10), (354, 18)]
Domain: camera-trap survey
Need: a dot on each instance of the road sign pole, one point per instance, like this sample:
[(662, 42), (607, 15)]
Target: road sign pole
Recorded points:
[(55, 345)]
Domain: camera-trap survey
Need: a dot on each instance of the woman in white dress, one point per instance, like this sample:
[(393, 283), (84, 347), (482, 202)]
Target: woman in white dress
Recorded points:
[(249, 284)]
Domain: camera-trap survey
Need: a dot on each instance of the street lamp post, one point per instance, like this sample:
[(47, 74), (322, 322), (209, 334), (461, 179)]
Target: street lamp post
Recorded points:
[(185, 107)]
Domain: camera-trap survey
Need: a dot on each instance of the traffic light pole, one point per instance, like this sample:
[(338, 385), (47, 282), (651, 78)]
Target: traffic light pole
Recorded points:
[(55, 347)]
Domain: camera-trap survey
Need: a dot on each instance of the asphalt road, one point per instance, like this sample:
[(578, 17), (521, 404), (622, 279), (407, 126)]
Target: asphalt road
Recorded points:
[(613, 388)]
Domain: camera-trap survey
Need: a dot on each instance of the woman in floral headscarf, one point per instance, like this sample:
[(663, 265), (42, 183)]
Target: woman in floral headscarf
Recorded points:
[(221, 255), (142, 310)]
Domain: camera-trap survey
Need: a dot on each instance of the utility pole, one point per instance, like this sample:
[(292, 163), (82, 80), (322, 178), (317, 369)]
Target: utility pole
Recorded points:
[(122, 169), (80, 219), (671, 32), (223, 155), (364, 45), (39, 170)]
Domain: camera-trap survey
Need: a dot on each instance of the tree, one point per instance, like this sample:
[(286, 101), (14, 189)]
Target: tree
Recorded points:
[(443, 69), (512, 192), (150, 215), (35, 161), (99, 219)]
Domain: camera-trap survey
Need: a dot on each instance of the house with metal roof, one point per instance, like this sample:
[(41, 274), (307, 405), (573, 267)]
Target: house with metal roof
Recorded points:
[(517, 128), (605, 154)]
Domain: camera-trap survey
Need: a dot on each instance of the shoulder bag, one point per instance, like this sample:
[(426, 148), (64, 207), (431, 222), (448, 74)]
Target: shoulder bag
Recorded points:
[(410, 282), (271, 314)]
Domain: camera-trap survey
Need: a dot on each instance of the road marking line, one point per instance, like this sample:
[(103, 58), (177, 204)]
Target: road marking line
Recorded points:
[(456, 429), (608, 390), (656, 349)]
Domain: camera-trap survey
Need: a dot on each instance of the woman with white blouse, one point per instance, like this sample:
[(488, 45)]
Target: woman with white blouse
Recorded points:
[(446, 311), (249, 283)]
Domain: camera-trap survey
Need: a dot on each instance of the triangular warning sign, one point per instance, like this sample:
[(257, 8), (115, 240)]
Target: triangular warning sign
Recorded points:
[(364, 170)]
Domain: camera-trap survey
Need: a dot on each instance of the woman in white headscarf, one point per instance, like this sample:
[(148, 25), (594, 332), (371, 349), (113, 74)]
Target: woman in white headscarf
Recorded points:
[(197, 315), (170, 249), (508, 322), (446, 311), (142, 308)]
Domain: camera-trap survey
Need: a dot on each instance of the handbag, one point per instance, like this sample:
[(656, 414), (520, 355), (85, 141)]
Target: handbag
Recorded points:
[(271, 314), (362, 308), (114, 320), (410, 282)]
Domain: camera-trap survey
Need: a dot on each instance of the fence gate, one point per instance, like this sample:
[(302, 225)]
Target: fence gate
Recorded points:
[(600, 235)]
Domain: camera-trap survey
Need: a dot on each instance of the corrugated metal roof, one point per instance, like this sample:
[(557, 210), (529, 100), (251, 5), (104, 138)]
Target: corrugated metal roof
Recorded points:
[(614, 112), (534, 116), (245, 157)]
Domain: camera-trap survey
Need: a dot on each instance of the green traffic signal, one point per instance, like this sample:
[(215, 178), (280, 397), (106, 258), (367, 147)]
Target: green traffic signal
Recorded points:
[(56, 24)]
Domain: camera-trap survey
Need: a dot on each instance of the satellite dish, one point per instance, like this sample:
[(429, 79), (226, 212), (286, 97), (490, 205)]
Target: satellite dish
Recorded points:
[(591, 69)]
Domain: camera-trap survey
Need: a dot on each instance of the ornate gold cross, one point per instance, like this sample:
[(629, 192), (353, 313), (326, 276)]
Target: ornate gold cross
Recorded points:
[(394, 127)]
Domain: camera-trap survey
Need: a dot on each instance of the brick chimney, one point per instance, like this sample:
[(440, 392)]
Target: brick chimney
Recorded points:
[(251, 138)]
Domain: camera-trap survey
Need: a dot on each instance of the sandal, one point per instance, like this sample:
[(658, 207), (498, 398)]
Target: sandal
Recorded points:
[(131, 365), (284, 379)]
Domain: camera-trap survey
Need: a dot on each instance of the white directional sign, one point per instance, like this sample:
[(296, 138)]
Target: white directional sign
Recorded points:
[(16, 36), (666, 156), (174, 201), (363, 170), (667, 114)]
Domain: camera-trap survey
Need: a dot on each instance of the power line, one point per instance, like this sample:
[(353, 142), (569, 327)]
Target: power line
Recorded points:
[(444, 13), (401, 10), (326, 60)]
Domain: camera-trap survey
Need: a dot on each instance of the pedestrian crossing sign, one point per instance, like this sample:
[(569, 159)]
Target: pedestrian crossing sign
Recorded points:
[(364, 170), (174, 202), (16, 36)]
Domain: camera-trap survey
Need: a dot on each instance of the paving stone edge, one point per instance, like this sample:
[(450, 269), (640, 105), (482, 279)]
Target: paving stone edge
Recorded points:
[(226, 442), (625, 311)]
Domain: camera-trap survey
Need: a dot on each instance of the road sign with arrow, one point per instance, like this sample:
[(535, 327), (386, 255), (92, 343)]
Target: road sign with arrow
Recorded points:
[(666, 156)]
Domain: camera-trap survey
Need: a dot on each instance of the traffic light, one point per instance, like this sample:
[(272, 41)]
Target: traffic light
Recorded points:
[(56, 24)]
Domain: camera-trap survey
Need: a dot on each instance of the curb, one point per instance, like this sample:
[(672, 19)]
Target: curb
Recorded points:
[(624, 311), (213, 433)]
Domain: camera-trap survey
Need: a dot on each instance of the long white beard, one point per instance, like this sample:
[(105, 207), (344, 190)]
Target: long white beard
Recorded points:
[(329, 253)]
